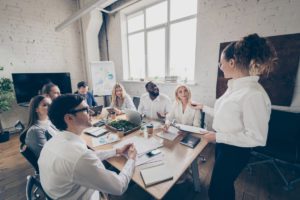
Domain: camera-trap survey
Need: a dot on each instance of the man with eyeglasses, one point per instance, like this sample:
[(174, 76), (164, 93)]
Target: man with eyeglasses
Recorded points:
[(68, 169)]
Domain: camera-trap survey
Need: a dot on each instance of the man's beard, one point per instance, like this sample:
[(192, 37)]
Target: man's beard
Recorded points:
[(154, 94)]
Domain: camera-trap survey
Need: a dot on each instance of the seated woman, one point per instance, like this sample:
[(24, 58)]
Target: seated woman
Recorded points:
[(182, 110), (120, 100), (39, 129)]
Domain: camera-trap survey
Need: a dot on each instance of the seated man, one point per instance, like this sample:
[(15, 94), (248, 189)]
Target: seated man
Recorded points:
[(153, 104), (83, 90), (68, 169), (51, 90)]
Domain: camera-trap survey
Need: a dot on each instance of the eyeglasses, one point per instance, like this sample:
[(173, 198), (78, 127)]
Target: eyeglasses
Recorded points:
[(85, 109)]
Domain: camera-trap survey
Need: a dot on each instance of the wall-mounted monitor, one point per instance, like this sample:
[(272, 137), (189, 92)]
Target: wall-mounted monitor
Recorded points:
[(27, 85)]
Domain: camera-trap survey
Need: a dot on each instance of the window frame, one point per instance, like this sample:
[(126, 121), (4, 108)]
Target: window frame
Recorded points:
[(145, 30)]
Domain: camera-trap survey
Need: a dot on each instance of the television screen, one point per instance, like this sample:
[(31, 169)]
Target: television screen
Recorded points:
[(28, 85)]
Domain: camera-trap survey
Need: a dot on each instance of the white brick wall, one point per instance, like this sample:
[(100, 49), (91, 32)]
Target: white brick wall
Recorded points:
[(220, 21), (29, 43)]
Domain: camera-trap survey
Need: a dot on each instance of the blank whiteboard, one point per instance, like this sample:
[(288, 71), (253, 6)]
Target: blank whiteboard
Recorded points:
[(103, 77)]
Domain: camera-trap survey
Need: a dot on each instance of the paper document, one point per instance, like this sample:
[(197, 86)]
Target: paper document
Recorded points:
[(146, 159), (105, 139), (192, 129), (170, 135), (141, 144)]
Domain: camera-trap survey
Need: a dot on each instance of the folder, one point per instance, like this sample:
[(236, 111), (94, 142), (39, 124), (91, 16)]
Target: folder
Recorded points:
[(155, 175), (190, 141)]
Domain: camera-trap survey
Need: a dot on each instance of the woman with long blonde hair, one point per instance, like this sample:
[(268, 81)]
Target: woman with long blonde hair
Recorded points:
[(120, 100), (182, 111)]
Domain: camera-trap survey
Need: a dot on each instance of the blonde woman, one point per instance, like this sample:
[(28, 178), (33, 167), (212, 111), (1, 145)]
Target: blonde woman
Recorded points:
[(182, 110), (120, 100)]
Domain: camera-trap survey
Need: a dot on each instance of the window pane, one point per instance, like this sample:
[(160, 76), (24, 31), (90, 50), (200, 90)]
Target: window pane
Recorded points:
[(136, 55), (180, 8), (135, 22), (156, 53), (182, 49), (156, 14)]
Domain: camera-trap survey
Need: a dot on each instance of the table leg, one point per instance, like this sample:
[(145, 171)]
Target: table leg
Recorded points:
[(196, 177)]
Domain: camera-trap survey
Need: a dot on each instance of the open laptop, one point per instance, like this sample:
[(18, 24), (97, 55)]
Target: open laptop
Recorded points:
[(133, 117), (97, 109)]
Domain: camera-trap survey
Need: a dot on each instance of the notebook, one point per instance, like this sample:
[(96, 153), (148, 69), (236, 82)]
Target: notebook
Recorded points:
[(95, 131), (155, 175), (190, 141)]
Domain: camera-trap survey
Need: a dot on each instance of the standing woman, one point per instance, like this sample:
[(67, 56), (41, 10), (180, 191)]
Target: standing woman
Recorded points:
[(182, 110), (241, 114), (120, 100), (39, 129)]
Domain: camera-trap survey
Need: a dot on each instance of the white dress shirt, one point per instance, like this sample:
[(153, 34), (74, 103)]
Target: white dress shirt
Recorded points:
[(189, 117), (127, 104), (149, 107), (242, 114), (69, 170)]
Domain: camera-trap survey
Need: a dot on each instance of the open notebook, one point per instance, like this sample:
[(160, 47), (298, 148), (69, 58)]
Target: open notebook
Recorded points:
[(155, 175)]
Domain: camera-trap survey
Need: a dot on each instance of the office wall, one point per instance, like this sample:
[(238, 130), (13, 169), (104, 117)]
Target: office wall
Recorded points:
[(219, 21), (29, 43)]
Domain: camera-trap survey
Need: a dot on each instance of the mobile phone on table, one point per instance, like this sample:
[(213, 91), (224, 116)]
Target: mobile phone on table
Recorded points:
[(153, 153)]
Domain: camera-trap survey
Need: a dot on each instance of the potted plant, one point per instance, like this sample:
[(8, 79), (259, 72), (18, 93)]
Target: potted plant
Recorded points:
[(6, 99)]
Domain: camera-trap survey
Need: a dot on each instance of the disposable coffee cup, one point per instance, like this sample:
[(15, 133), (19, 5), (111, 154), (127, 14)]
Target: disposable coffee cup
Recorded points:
[(150, 129)]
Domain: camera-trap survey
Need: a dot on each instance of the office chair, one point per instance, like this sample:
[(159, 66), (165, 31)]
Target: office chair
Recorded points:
[(283, 146), (107, 100), (136, 101), (202, 125), (34, 189)]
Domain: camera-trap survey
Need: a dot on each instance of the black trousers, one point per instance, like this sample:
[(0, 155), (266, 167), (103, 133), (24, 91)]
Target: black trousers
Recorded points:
[(229, 162)]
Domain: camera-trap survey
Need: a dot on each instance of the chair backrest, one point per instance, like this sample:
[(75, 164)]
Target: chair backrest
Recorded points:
[(202, 119), (136, 101), (30, 157), (107, 100)]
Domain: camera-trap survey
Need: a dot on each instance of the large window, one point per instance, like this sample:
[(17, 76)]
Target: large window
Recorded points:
[(161, 40)]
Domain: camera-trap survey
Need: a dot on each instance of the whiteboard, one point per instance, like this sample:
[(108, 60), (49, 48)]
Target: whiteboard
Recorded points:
[(103, 77)]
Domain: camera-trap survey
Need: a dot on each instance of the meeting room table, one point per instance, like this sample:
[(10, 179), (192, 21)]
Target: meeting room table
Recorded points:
[(177, 157)]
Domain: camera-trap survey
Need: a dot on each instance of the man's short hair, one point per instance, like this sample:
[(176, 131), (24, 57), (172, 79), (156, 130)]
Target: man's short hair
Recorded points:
[(147, 84), (82, 84), (61, 106), (47, 88)]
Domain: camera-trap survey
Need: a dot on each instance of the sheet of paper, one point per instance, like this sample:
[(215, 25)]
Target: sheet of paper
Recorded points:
[(141, 144), (105, 139), (170, 135), (192, 129), (146, 159)]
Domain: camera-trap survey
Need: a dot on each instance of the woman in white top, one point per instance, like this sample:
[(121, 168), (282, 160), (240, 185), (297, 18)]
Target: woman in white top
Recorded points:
[(241, 114), (120, 100), (182, 111), (39, 129)]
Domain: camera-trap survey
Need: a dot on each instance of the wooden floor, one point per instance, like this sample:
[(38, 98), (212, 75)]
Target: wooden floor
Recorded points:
[(263, 184)]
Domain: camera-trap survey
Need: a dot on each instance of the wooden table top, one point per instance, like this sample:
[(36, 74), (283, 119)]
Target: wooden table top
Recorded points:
[(177, 158)]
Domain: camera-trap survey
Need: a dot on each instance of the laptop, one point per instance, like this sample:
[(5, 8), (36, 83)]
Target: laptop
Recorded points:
[(97, 109), (134, 117)]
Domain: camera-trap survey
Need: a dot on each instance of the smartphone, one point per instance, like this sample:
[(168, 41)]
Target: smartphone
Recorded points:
[(153, 153)]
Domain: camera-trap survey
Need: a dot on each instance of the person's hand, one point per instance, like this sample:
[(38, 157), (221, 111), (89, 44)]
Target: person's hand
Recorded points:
[(118, 111), (210, 136), (197, 106), (124, 149), (161, 115), (132, 152), (166, 127)]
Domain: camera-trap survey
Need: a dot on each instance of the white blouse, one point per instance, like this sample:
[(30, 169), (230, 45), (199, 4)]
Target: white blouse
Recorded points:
[(242, 114), (189, 117), (127, 104)]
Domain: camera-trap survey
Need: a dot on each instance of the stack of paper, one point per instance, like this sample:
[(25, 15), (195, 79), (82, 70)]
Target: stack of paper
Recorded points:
[(170, 135), (192, 129), (105, 139), (145, 159), (141, 144), (155, 175)]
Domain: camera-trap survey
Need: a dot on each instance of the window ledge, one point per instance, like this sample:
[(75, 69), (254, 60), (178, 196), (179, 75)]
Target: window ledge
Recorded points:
[(191, 83)]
